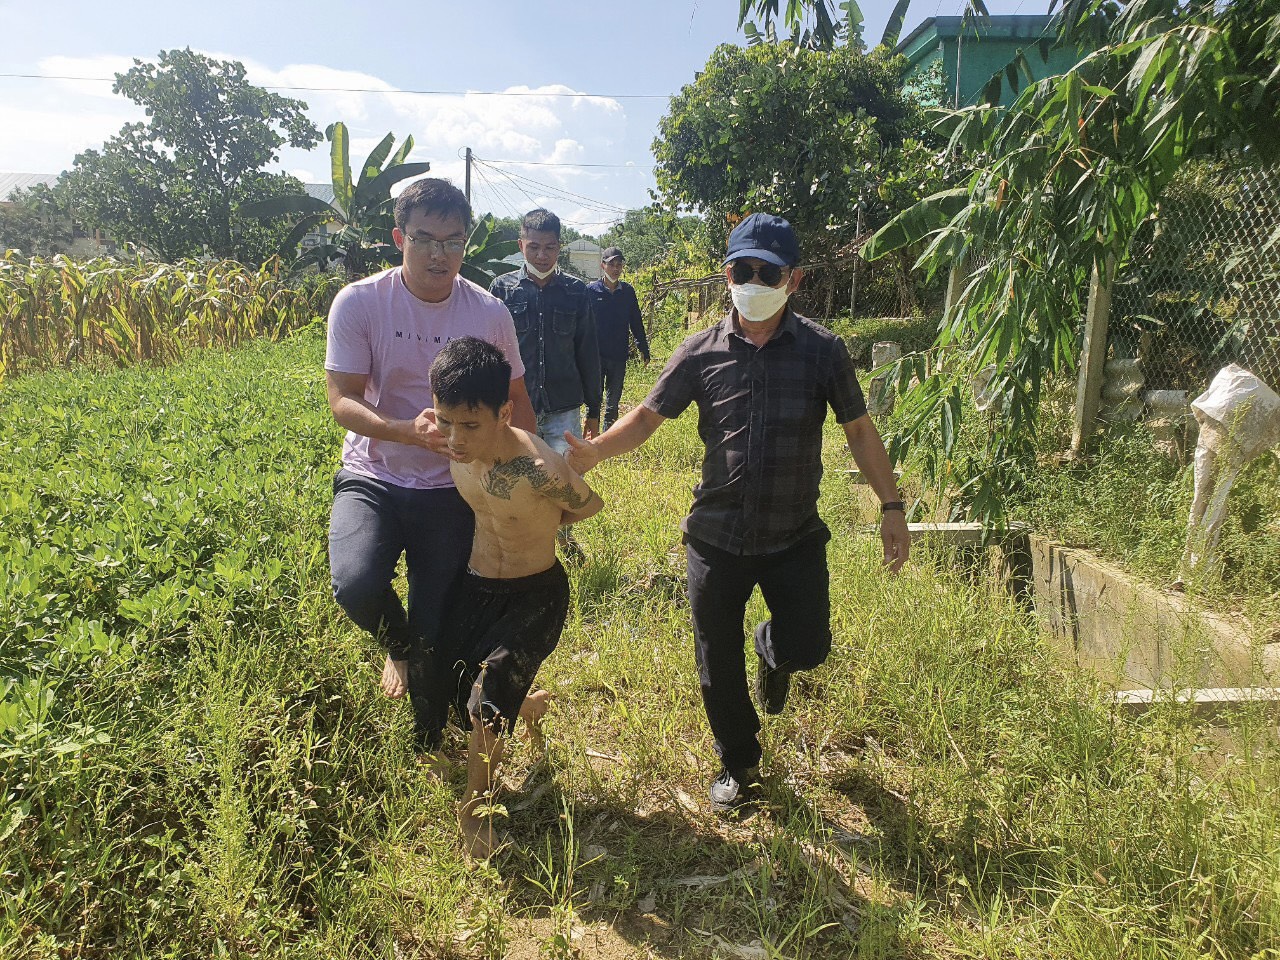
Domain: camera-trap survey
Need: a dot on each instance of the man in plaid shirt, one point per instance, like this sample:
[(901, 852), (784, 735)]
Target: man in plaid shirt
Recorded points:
[(762, 380)]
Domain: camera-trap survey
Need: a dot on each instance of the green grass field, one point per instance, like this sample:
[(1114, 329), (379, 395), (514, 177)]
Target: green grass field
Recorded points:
[(195, 760)]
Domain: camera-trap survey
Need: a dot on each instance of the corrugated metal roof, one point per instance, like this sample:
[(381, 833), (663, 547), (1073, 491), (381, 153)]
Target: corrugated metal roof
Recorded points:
[(9, 182), (321, 191)]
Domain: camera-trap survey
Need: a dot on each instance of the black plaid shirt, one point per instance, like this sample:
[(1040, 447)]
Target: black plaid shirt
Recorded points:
[(760, 415)]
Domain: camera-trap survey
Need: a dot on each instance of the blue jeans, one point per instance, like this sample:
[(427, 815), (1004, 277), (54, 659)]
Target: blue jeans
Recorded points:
[(612, 373), (372, 524), (551, 427)]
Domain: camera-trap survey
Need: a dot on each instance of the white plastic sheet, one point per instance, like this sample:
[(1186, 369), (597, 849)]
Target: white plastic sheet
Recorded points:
[(1239, 418)]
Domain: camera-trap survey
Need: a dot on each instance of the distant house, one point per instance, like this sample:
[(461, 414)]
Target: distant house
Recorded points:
[(324, 193), (972, 49), (85, 242), (584, 254)]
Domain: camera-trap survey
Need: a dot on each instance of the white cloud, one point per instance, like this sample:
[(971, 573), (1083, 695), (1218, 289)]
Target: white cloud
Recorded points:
[(552, 124), (103, 66)]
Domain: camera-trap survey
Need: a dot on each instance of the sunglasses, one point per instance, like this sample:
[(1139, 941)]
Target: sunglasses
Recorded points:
[(742, 272)]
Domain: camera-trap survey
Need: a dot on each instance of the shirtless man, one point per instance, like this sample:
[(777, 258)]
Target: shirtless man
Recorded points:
[(505, 615)]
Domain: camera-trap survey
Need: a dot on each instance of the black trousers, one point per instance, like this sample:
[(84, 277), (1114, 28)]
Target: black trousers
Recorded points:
[(797, 635), (372, 524)]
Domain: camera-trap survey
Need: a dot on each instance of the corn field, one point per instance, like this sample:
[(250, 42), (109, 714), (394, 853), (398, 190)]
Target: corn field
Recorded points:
[(59, 311)]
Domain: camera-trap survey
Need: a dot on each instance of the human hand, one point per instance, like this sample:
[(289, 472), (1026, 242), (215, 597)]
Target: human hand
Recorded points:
[(591, 428), (582, 455), (425, 433), (896, 538)]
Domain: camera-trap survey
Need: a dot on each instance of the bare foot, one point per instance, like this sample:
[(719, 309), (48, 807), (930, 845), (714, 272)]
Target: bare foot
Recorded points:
[(532, 711), (395, 678), (480, 838)]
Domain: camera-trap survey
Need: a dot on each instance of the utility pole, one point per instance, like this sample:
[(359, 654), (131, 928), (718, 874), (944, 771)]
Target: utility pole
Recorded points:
[(468, 190), (857, 234)]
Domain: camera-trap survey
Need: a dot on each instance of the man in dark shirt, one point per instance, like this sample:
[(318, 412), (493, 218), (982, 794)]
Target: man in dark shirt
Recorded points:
[(762, 380), (552, 314), (617, 314)]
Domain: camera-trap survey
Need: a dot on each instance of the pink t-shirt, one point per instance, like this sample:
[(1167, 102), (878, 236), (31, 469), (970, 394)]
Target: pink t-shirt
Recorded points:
[(377, 327)]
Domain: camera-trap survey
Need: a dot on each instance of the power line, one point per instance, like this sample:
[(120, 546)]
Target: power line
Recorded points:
[(478, 163), (433, 93), (493, 188), (547, 163), (600, 205), (594, 206)]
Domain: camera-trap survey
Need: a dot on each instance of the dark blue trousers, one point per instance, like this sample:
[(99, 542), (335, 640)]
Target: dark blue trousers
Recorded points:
[(797, 635), (612, 373), (372, 524)]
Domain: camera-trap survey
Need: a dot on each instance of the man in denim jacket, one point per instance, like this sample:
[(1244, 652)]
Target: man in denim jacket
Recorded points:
[(552, 315)]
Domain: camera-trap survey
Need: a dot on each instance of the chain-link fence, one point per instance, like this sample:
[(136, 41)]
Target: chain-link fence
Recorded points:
[(847, 285), (842, 285), (1202, 288)]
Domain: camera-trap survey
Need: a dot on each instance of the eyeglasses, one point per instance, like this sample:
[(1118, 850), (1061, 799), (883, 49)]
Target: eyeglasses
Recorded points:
[(432, 245), (769, 273)]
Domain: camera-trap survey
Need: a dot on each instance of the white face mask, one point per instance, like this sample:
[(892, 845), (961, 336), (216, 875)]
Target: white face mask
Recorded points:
[(540, 274), (757, 303)]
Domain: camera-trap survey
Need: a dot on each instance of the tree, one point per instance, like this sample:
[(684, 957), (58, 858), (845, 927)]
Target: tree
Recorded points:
[(172, 184), (35, 221), (646, 235), (1064, 181), (363, 207), (825, 24), (798, 132)]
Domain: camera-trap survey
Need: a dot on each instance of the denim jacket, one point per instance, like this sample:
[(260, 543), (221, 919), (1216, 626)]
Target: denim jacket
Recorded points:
[(557, 338)]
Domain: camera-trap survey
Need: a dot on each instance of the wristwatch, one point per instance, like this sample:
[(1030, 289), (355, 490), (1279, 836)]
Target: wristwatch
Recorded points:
[(893, 505)]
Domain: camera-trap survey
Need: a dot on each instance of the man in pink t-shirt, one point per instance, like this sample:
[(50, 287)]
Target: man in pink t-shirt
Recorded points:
[(394, 494)]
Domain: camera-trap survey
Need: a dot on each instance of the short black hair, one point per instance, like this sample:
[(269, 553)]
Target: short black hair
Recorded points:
[(471, 371), (540, 221), (434, 197)]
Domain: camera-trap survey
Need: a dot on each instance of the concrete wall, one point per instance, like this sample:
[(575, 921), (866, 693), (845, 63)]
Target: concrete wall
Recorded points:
[(1136, 636)]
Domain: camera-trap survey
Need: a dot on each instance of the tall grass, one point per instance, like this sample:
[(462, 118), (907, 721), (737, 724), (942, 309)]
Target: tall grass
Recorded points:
[(57, 310), (194, 760)]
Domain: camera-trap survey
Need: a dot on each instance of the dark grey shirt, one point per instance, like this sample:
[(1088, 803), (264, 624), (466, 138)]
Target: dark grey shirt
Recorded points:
[(760, 415), (557, 340)]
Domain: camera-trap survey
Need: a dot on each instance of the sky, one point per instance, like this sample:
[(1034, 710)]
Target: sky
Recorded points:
[(558, 100)]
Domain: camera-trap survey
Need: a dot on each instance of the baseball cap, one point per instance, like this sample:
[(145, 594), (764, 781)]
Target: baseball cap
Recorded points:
[(611, 253), (765, 237)]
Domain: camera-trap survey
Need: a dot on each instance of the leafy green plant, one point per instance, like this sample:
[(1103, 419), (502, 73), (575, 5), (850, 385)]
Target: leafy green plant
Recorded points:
[(61, 311), (1064, 181), (216, 773), (485, 249), (728, 145), (171, 185), (825, 24), (363, 207)]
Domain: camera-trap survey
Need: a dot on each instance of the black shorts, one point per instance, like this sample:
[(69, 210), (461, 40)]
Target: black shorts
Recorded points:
[(496, 634)]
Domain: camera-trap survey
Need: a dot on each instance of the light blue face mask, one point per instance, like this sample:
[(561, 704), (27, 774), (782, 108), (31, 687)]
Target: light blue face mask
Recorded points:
[(757, 303)]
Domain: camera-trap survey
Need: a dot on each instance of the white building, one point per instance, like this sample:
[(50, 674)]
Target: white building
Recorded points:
[(584, 254)]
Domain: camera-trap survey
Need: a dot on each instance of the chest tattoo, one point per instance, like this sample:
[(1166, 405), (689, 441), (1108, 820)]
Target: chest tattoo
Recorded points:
[(502, 478)]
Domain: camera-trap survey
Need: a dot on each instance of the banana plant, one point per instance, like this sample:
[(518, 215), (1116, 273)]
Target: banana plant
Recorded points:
[(362, 207), (485, 250)]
